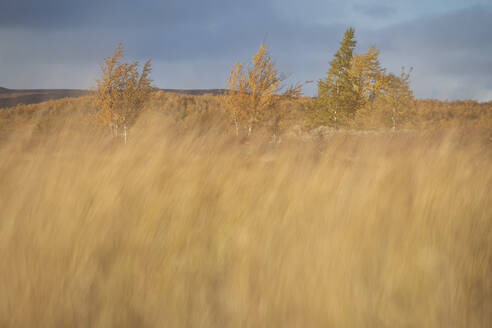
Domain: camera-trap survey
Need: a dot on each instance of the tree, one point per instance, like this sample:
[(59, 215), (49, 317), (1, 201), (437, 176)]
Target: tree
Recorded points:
[(368, 77), (121, 92), (337, 99), (398, 95), (358, 89), (255, 91), (370, 82), (391, 102), (236, 98)]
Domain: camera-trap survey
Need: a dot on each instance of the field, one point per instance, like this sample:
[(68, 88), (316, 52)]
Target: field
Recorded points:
[(189, 226)]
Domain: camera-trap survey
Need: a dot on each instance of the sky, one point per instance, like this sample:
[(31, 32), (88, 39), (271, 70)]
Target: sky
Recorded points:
[(193, 43)]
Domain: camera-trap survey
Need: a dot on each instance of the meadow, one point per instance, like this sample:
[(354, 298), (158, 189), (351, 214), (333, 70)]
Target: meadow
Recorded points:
[(188, 225)]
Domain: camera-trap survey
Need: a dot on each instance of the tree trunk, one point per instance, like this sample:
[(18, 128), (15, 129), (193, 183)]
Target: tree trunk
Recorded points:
[(393, 118), (276, 139), (114, 130), (336, 125), (125, 132), (237, 127)]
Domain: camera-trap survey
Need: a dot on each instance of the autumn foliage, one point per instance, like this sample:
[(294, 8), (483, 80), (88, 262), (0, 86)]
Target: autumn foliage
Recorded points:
[(255, 92), (358, 91), (121, 92)]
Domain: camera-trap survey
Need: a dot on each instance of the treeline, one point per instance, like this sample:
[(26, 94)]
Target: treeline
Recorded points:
[(356, 93), (202, 111)]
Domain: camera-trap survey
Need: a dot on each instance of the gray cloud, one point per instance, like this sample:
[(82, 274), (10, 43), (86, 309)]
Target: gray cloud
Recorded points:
[(450, 53), (375, 10), (194, 43), (121, 13)]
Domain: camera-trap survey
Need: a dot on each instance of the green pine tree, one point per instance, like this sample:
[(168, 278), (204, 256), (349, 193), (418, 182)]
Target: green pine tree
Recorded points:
[(337, 98)]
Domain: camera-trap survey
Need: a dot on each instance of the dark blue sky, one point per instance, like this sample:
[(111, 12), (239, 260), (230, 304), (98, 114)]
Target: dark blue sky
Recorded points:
[(60, 43)]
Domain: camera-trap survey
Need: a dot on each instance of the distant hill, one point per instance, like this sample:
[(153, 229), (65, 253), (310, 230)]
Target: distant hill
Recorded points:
[(196, 91), (12, 97)]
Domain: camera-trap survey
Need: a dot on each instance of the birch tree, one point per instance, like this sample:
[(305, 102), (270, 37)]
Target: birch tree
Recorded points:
[(121, 92), (398, 95), (255, 91)]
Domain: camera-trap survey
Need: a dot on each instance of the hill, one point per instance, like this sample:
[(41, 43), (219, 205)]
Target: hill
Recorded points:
[(13, 97), (196, 92)]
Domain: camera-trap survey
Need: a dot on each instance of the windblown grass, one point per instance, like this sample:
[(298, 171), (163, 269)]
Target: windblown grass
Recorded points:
[(200, 230)]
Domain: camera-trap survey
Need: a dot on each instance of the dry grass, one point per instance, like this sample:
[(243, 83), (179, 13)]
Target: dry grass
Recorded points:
[(184, 230)]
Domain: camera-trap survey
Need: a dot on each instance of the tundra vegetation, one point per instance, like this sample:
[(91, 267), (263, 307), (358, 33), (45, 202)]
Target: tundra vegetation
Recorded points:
[(375, 210)]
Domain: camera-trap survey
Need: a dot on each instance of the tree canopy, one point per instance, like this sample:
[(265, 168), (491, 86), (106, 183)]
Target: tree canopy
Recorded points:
[(353, 85), (255, 91), (121, 91)]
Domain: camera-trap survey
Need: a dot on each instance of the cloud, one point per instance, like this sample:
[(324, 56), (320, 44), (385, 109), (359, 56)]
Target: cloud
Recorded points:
[(375, 10), (193, 43), (234, 33), (120, 13), (450, 53)]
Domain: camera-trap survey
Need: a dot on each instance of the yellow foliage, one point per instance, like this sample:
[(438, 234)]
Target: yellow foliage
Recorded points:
[(367, 75), (121, 92), (254, 92)]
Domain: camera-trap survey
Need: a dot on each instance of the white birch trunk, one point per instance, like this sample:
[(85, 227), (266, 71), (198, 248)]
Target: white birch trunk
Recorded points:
[(393, 118), (125, 132)]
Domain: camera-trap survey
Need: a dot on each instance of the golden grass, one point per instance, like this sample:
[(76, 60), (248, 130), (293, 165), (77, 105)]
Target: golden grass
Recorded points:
[(187, 230)]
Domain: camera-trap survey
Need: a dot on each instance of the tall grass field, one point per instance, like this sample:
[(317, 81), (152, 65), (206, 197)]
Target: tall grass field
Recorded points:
[(198, 228)]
